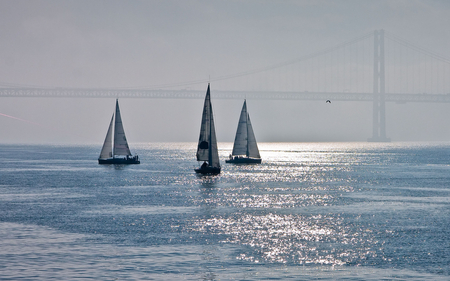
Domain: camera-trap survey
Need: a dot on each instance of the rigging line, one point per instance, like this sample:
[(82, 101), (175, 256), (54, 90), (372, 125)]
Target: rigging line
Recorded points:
[(412, 46)]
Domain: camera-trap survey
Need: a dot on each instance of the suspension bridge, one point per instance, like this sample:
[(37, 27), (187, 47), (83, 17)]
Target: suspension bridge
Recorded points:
[(385, 74)]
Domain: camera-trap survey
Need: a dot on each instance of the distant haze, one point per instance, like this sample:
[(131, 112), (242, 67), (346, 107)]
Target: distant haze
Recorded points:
[(184, 44)]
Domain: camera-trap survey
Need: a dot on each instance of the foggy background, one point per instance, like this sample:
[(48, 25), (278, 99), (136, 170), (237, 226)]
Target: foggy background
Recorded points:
[(168, 44)]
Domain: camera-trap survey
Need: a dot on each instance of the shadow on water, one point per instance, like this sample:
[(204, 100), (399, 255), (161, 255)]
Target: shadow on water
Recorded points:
[(208, 192), (117, 167), (211, 252), (208, 182)]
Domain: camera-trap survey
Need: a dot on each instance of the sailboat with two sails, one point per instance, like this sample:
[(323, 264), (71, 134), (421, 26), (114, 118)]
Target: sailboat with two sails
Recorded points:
[(117, 152), (207, 144), (245, 148)]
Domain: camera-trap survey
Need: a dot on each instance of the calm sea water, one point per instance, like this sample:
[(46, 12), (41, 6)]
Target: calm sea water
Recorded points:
[(310, 211)]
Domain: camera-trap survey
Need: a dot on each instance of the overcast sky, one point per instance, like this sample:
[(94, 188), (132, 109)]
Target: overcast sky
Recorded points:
[(146, 44)]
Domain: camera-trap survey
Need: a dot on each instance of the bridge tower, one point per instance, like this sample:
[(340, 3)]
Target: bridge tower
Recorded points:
[(379, 104)]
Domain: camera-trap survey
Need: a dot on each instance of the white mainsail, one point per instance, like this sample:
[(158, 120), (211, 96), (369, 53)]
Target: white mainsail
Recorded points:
[(252, 146), (207, 143), (120, 140), (245, 141), (214, 151), (240, 141), (107, 145)]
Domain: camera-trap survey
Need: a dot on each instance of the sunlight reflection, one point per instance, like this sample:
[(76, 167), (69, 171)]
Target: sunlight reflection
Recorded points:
[(265, 207), (241, 200), (292, 238)]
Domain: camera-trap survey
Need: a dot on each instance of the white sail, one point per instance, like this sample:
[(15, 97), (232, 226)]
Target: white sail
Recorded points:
[(252, 146), (240, 141), (120, 140), (107, 145), (207, 143), (214, 151), (245, 141)]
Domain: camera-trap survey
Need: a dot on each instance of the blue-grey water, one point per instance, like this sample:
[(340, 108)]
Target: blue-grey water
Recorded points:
[(310, 211)]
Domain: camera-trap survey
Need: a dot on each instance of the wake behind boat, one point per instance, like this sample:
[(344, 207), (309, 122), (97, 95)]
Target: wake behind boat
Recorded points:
[(245, 148), (117, 152), (207, 144)]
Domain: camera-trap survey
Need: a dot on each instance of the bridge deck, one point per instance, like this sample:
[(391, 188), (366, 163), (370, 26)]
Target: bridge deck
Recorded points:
[(191, 94)]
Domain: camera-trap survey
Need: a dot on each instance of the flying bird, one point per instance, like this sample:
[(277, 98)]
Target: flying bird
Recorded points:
[(328, 101)]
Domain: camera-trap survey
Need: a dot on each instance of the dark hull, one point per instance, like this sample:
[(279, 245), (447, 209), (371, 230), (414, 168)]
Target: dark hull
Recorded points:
[(243, 160), (122, 161), (208, 170)]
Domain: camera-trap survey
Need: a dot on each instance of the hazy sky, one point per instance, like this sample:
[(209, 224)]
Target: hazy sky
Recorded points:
[(142, 44)]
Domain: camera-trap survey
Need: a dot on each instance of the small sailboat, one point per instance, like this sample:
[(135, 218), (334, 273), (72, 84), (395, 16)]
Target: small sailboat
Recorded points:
[(117, 152), (207, 144), (245, 148)]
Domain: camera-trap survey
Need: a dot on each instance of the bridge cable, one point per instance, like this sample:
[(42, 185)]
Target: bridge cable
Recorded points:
[(259, 70), (412, 46)]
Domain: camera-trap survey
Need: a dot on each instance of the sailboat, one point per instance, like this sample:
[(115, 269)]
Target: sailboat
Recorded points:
[(207, 144), (117, 152), (245, 148)]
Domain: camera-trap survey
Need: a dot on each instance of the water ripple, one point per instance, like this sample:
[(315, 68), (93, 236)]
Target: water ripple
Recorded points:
[(293, 239)]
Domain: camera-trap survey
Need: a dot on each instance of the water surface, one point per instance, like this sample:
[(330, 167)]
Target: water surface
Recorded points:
[(310, 211)]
